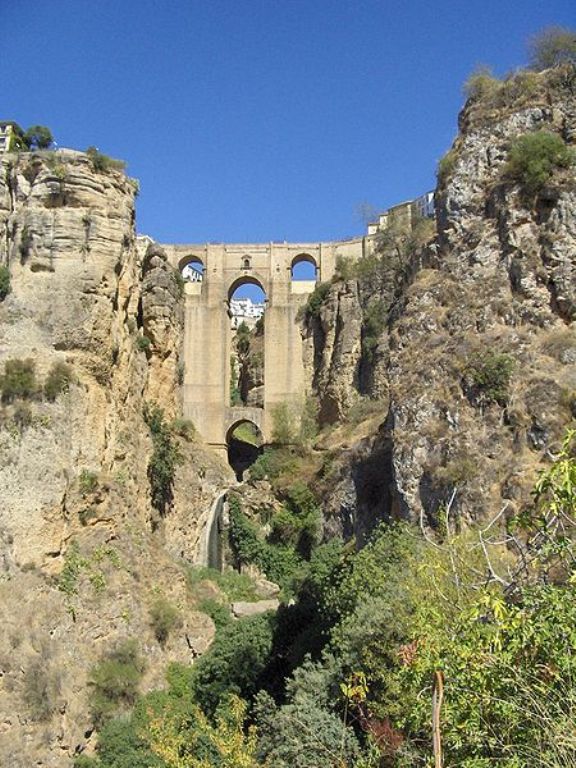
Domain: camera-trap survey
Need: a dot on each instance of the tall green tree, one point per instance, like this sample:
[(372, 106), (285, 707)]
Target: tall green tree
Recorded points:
[(38, 137)]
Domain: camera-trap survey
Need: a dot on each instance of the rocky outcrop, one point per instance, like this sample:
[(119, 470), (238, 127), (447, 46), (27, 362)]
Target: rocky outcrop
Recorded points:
[(494, 294), (162, 327), (333, 351), (81, 561)]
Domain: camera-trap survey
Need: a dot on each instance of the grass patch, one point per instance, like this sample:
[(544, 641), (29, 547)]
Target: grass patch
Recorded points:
[(236, 586)]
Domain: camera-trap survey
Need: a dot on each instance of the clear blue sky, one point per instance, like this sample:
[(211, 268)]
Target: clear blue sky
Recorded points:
[(257, 120)]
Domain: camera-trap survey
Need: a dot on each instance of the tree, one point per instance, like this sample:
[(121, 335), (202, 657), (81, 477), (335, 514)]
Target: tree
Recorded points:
[(551, 47), (38, 137)]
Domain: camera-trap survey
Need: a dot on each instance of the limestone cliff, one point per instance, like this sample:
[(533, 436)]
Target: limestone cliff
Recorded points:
[(495, 289), (82, 551)]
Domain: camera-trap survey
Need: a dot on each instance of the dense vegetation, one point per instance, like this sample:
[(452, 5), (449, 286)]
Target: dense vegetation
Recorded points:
[(35, 137), (345, 675)]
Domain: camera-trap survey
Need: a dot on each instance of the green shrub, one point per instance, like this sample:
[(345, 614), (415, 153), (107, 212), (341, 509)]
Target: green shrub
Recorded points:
[(551, 47), (41, 689), (164, 618), (102, 163), (481, 83), (446, 166), (184, 428), (373, 324), (74, 564), (58, 380), (115, 681), (22, 416), (244, 541), (164, 460), (122, 743), (489, 374), (299, 523), (235, 662), (38, 137), (534, 158), (26, 243), (283, 427), (4, 282), (18, 380), (281, 564), (278, 562), (316, 299), (143, 343), (345, 268), (179, 280), (306, 731), (87, 481), (219, 613), (309, 420)]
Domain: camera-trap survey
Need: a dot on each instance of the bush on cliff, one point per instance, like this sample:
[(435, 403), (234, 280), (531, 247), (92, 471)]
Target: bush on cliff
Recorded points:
[(488, 377), (103, 163), (18, 380), (534, 158), (316, 299), (4, 282), (164, 618), (58, 380), (115, 680), (164, 460), (551, 47)]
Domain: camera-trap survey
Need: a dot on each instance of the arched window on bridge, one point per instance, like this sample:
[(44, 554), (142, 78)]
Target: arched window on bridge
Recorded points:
[(192, 269), (304, 268), (244, 441), (246, 305)]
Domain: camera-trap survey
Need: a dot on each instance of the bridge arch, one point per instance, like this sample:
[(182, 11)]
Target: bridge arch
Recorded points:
[(304, 267), (253, 279), (191, 268), (244, 442)]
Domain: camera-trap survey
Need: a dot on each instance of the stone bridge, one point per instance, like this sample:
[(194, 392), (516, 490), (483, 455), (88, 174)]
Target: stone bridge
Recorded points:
[(208, 335)]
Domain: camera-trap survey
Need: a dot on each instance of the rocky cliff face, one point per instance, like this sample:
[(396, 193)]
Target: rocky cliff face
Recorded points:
[(82, 551), (492, 295)]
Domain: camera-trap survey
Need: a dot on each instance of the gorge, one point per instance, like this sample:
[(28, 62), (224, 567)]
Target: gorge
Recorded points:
[(426, 379)]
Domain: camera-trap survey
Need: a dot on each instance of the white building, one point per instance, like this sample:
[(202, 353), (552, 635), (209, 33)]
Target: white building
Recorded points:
[(245, 310), (8, 128)]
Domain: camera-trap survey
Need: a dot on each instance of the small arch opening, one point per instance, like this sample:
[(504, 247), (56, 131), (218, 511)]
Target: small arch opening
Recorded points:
[(192, 269), (304, 268), (244, 441)]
